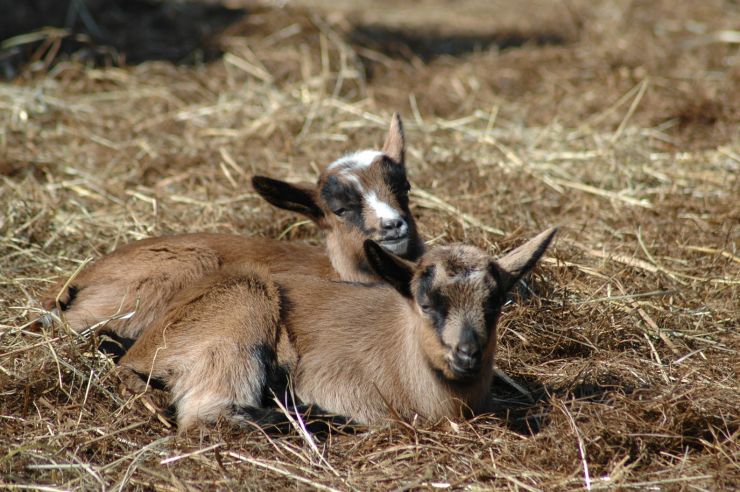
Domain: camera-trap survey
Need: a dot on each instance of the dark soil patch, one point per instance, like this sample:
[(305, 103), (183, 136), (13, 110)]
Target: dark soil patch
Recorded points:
[(111, 31)]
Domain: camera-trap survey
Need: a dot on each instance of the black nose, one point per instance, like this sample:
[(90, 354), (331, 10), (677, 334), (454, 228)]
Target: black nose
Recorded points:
[(392, 224), (393, 229), (467, 359), (467, 352)]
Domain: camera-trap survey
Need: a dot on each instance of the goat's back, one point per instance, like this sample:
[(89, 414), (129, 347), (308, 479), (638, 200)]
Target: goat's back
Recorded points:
[(143, 276)]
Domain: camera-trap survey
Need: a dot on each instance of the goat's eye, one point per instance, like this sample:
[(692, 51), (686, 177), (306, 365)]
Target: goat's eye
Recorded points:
[(346, 209), (427, 308)]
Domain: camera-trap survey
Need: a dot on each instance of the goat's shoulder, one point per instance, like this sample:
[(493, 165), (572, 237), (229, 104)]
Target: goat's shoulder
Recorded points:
[(237, 300), (310, 290), (317, 311)]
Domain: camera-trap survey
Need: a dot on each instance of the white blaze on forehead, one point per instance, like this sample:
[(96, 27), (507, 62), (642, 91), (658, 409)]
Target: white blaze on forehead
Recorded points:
[(359, 159), (381, 209), (355, 180)]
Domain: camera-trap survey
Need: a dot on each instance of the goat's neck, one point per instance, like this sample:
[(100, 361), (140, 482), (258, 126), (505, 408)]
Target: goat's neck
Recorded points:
[(347, 258)]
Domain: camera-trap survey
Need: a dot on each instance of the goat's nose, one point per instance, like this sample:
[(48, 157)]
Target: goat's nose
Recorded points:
[(467, 351), (393, 224)]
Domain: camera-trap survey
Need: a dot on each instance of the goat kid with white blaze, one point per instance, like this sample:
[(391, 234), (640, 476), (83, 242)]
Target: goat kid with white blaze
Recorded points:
[(360, 196), (422, 342)]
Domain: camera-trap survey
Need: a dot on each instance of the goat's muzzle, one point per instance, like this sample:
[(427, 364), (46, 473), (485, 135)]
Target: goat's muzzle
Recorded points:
[(394, 235), (466, 360)]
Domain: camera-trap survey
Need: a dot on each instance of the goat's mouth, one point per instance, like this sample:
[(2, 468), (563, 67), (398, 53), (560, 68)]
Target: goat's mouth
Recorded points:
[(464, 371), (397, 246)]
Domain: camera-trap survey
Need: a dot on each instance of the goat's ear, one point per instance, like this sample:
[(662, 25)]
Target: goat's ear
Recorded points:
[(521, 260), (395, 143), (299, 198), (391, 268)]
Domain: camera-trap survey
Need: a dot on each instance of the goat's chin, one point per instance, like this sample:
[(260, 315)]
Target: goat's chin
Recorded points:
[(396, 246), (463, 374), (453, 375)]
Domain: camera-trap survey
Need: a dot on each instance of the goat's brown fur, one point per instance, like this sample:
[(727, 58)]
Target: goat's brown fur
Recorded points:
[(183, 357), (367, 352), (144, 276)]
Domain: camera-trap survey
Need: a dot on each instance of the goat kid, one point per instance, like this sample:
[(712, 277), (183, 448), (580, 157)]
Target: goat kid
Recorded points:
[(421, 343), (362, 195)]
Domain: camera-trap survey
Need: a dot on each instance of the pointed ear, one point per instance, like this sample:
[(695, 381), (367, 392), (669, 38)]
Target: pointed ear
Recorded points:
[(395, 142), (299, 198), (520, 260), (394, 270)]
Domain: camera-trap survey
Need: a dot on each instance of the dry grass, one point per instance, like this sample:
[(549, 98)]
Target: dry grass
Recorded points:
[(625, 133)]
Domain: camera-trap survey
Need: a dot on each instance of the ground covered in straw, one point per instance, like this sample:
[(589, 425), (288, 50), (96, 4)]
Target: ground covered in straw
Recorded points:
[(619, 121)]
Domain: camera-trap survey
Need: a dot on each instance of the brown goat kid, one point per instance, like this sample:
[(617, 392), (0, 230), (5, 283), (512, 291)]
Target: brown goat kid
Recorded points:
[(361, 196), (422, 342)]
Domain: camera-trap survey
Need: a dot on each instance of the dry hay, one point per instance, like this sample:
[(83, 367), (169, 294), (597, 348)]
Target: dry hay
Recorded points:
[(625, 132)]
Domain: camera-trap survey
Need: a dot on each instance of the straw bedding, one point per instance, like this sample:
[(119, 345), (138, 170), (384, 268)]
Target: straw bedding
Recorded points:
[(616, 120)]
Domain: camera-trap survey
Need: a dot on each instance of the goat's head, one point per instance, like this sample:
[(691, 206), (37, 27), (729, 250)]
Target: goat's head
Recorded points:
[(458, 292), (360, 196)]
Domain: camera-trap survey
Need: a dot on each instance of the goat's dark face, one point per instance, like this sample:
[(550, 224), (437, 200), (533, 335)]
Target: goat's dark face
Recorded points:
[(367, 193), (459, 291)]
